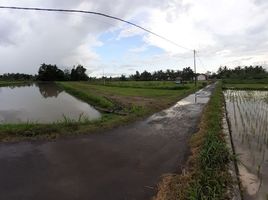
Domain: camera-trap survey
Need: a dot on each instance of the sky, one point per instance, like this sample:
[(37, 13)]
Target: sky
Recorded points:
[(224, 32)]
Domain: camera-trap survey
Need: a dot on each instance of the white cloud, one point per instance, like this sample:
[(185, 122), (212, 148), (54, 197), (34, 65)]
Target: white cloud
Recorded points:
[(129, 31), (223, 31), (139, 49)]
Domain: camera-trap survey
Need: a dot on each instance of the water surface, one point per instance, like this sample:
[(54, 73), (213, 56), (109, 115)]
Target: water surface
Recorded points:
[(41, 103), (248, 114)]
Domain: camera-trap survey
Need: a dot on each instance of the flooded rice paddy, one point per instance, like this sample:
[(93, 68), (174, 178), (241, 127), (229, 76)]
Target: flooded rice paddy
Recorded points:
[(248, 115), (42, 103)]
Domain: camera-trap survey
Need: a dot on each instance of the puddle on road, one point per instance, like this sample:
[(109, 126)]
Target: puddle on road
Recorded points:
[(192, 102), (248, 114)]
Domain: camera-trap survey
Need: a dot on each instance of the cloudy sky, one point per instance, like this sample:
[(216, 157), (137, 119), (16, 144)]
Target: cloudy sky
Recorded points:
[(224, 32)]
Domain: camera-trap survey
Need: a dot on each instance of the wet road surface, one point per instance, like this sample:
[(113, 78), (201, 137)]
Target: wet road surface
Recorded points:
[(125, 163)]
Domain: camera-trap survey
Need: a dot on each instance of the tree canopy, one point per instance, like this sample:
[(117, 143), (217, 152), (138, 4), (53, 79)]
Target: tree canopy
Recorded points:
[(187, 74), (247, 72), (16, 77), (156, 76), (48, 72), (79, 73)]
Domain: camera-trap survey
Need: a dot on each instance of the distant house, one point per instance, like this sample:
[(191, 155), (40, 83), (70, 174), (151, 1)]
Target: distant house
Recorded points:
[(202, 77), (178, 80)]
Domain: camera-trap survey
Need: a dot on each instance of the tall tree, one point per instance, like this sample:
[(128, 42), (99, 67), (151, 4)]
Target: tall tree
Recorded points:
[(50, 73), (146, 76), (187, 74), (79, 73), (123, 78)]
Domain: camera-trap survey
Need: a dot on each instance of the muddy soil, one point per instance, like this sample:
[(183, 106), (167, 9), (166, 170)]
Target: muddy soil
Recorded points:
[(123, 163)]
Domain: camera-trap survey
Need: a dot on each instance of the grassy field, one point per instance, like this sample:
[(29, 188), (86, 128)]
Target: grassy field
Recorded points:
[(206, 176), (246, 86), (127, 98), (171, 85), (246, 81), (134, 103), (10, 83)]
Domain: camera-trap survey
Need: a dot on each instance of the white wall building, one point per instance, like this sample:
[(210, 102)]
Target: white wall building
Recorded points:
[(201, 77)]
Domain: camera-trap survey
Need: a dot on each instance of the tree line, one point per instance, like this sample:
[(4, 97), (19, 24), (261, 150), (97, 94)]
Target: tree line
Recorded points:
[(53, 73), (17, 77), (48, 72), (186, 74), (247, 72)]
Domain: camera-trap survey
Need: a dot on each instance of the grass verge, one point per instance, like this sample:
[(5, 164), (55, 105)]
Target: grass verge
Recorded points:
[(206, 176), (33, 131)]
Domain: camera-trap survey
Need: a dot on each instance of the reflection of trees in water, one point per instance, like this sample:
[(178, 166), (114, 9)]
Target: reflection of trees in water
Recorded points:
[(49, 89), (20, 85)]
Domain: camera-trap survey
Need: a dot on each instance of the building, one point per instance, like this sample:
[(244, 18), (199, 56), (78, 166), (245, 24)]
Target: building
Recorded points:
[(202, 77), (178, 80)]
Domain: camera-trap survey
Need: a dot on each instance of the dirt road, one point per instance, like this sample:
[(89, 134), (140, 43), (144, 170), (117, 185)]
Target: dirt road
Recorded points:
[(122, 164)]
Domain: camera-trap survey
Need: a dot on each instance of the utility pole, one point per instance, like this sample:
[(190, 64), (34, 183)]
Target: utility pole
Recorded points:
[(195, 78), (103, 76), (195, 81)]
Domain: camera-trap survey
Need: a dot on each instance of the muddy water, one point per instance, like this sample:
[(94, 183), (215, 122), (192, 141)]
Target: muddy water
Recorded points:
[(248, 114), (41, 103)]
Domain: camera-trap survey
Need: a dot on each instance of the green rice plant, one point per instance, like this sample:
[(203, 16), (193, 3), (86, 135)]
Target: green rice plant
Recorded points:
[(249, 127)]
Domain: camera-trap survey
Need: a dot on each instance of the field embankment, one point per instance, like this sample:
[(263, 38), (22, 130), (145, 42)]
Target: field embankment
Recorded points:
[(206, 176)]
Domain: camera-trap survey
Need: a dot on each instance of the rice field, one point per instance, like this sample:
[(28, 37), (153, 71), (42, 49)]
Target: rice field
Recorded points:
[(248, 116)]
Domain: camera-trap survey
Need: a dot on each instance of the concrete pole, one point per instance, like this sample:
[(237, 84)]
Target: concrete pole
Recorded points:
[(195, 78)]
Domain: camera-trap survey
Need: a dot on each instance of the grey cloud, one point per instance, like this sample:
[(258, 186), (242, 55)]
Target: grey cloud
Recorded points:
[(6, 33), (57, 37), (29, 38), (261, 2)]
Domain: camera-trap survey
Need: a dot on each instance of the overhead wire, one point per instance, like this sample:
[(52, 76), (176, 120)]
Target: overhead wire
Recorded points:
[(94, 13), (69, 11), (202, 64)]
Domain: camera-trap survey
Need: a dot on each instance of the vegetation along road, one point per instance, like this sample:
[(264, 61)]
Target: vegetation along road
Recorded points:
[(122, 163)]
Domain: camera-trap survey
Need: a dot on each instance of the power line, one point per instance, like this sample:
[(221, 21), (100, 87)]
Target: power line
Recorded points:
[(93, 13), (202, 64)]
